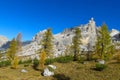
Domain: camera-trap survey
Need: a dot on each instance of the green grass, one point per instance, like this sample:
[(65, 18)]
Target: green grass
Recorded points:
[(64, 71)]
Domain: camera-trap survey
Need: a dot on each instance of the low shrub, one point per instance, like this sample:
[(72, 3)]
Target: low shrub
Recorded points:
[(64, 59), (82, 59), (100, 67), (5, 63), (50, 61), (26, 65), (35, 63), (25, 62), (20, 62)]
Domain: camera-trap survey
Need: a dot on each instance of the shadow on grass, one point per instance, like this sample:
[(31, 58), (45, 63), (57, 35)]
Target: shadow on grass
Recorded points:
[(61, 77), (97, 69), (35, 68), (114, 62)]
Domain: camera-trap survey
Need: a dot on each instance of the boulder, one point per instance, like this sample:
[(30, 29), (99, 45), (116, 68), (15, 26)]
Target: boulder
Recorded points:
[(52, 66), (24, 71), (47, 72), (102, 61)]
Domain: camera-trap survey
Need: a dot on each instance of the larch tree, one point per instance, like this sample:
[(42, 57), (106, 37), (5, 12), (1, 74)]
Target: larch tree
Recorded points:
[(76, 44), (104, 46), (42, 60), (11, 54), (15, 62), (12, 50), (47, 43)]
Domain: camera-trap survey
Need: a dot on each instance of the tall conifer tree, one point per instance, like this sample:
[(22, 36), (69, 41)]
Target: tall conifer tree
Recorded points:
[(104, 46), (47, 43), (76, 44), (12, 50)]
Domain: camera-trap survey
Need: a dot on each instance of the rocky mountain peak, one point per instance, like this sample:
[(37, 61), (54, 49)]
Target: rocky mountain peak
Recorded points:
[(115, 35), (63, 39), (3, 40), (114, 32)]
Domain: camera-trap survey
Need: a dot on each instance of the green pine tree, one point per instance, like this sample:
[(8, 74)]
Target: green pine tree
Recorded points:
[(47, 43), (104, 46), (76, 44)]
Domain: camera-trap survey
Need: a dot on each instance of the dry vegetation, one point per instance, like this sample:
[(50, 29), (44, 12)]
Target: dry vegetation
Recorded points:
[(64, 71)]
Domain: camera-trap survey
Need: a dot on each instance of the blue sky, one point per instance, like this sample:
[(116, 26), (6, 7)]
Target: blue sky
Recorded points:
[(32, 16)]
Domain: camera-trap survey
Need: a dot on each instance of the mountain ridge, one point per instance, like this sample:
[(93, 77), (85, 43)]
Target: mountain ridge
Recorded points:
[(63, 39)]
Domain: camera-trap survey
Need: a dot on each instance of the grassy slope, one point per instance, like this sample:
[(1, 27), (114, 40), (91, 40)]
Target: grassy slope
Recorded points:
[(66, 71)]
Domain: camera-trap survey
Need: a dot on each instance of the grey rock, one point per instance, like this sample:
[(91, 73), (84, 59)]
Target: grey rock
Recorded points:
[(102, 61), (24, 71), (47, 72), (52, 66)]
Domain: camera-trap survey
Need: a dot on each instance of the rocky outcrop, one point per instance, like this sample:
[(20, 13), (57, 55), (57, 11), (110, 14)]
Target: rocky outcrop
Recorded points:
[(3, 41), (63, 39), (115, 35)]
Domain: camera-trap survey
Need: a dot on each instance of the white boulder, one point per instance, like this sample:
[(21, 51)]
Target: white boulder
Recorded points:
[(24, 71), (47, 72), (102, 62), (52, 66)]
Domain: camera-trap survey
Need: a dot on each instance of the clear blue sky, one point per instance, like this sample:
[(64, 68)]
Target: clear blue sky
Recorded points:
[(31, 16)]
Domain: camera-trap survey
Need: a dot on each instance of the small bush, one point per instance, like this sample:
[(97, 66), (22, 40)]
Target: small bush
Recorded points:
[(49, 61), (35, 63), (25, 62), (5, 63), (82, 59), (64, 59), (100, 67), (26, 65), (20, 62)]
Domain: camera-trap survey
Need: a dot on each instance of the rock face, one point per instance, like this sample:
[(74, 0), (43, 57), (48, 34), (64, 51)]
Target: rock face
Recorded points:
[(115, 35), (3, 40), (63, 39)]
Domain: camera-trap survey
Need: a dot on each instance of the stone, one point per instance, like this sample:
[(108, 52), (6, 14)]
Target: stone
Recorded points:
[(47, 72), (24, 71), (102, 62), (52, 66)]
